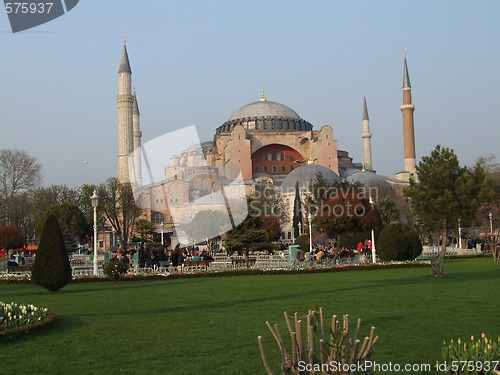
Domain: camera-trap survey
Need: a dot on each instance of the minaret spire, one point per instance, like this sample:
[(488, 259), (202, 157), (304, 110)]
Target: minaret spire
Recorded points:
[(366, 135), (124, 62), (407, 110), (406, 76)]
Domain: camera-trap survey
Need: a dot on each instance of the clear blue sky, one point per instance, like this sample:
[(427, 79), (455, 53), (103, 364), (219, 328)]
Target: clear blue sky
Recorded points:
[(196, 62)]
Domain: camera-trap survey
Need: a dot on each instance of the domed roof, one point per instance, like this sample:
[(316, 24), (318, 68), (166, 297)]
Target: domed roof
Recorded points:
[(373, 184), (265, 116), (264, 108), (305, 175), (367, 178)]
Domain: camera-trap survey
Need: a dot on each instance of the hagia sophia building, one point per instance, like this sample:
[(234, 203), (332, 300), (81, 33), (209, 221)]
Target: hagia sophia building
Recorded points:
[(262, 143)]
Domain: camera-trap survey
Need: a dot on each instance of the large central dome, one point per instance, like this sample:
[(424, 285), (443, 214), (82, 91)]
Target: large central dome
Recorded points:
[(265, 116), (264, 108)]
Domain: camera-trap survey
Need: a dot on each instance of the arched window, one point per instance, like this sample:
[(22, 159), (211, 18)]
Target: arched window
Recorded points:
[(265, 168), (157, 218), (257, 169), (283, 169), (275, 169)]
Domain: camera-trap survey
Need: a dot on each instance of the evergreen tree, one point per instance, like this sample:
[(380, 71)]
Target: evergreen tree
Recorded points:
[(73, 223), (51, 269), (297, 212), (248, 236), (446, 192)]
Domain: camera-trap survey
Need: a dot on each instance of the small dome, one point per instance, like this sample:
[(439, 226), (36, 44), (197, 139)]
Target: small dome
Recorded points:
[(373, 184), (367, 178), (305, 175), (264, 108)]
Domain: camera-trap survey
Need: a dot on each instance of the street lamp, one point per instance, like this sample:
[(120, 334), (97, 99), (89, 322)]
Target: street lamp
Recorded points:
[(162, 233), (459, 235), (374, 251), (94, 199), (491, 225), (309, 217)]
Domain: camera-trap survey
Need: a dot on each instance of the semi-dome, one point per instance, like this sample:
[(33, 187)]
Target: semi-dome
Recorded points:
[(305, 175), (267, 116)]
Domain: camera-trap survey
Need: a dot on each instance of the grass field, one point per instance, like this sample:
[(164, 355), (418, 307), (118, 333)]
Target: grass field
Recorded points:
[(210, 325)]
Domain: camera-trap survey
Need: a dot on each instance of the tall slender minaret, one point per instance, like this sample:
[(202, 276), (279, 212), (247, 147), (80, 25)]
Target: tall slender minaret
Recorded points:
[(136, 124), (136, 144), (125, 101), (366, 135), (408, 129)]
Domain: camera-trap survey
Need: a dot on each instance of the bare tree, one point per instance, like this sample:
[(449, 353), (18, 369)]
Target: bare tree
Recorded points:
[(119, 206), (19, 172)]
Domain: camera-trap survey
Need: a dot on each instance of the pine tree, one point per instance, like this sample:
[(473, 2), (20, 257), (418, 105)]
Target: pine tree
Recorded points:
[(297, 211), (51, 269)]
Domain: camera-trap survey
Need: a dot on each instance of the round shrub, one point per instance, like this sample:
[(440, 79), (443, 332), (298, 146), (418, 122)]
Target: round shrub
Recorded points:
[(303, 241), (398, 242), (114, 269)]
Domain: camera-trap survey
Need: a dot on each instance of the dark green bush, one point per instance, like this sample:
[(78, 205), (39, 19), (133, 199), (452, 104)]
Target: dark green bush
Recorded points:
[(114, 269), (303, 241), (398, 242), (51, 269)]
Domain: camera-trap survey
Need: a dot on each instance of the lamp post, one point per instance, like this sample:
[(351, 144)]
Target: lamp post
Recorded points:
[(309, 217), (300, 162), (161, 225), (491, 226), (374, 251), (94, 199), (459, 235)]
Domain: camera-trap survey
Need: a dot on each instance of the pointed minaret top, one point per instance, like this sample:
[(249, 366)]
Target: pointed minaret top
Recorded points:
[(263, 97), (136, 106), (406, 76), (124, 63), (365, 110)]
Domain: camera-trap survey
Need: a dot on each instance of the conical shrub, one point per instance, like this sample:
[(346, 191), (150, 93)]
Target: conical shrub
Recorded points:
[(51, 269)]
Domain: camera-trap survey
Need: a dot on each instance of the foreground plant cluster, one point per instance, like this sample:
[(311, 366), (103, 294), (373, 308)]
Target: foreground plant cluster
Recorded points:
[(480, 356), (16, 318)]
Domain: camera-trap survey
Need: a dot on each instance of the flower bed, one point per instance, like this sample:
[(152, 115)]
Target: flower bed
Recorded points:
[(290, 270), (20, 319), (480, 356)]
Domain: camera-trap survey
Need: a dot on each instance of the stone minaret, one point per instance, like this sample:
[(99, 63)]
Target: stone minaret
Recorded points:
[(408, 129), (125, 101), (136, 124), (366, 135), (136, 144)]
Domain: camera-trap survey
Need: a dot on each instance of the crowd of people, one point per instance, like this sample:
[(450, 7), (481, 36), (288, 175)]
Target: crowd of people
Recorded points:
[(161, 256)]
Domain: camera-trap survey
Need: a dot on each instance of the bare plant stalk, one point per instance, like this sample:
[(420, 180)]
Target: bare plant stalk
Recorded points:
[(340, 348)]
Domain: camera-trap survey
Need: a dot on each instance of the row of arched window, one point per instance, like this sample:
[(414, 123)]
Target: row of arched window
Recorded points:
[(274, 169)]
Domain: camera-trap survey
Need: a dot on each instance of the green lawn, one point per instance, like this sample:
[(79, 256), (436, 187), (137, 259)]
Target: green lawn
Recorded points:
[(210, 325)]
